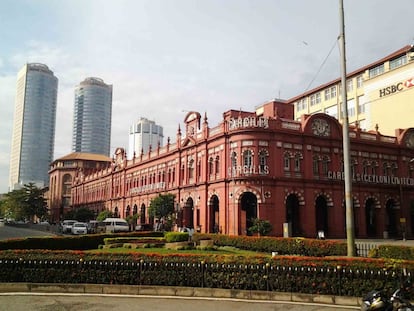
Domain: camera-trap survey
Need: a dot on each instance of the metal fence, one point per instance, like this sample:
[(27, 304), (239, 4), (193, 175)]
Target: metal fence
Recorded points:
[(341, 281)]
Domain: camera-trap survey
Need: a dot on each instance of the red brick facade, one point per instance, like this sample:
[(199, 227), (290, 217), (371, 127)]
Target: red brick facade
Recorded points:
[(265, 165)]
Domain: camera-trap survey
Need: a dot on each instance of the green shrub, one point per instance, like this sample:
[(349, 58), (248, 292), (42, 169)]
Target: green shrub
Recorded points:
[(392, 251), (171, 237)]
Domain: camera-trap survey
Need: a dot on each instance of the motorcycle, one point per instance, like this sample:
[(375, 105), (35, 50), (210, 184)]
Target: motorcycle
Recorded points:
[(377, 300)]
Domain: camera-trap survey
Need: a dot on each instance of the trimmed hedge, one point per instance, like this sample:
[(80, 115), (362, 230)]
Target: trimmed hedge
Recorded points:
[(81, 242), (392, 251), (282, 246), (172, 237)]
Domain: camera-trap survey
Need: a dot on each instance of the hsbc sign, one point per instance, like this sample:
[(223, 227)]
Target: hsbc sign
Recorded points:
[(396, 87)]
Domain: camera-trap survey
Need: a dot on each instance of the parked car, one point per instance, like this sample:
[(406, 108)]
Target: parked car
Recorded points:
[(67, 225), (116, 225), (79, 228), (95, 226)]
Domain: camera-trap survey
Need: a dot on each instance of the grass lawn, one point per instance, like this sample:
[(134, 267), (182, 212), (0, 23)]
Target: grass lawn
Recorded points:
[(225, 250)]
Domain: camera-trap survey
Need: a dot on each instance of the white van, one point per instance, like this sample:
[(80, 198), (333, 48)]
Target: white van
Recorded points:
[(116, 225)]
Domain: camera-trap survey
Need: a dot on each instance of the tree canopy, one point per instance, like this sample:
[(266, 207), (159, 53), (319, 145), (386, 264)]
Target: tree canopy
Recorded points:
[(162, 206), (25, 203)]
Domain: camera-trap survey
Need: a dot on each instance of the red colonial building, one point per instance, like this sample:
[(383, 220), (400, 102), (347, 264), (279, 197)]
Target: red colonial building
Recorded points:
[(264, 165)]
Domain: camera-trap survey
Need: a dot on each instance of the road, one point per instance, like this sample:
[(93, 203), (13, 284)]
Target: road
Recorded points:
[(59, 302), (10, 232)]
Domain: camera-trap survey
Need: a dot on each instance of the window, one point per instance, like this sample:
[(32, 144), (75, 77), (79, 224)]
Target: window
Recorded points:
[(361, 104), (286, 161), (298, 158), (315, 99), (398, 62), (330, 93), (217, 165), (351, 108), (191, 169), (373, 72), (349, 85), (263, 154), (234, 159), (301, 104), (325, 165), (332, 111), (233, 163), (315, 165), (365, 167), (385, 169), (393, 168), (247, 158), (210, 166), (359, 82)]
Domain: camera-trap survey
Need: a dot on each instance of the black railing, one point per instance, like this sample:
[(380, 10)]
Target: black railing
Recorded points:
[(263, 277)]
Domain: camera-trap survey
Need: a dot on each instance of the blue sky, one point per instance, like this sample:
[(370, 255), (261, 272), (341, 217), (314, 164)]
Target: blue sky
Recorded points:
[(165, 57)]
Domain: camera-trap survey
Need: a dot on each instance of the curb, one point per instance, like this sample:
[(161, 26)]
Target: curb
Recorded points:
[(194, 292)]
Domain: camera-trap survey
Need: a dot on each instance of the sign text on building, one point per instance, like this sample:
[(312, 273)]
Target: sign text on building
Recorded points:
[(248, 170), (247, 122), (374, 179)]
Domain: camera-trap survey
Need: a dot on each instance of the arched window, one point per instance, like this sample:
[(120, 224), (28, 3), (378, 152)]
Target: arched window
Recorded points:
[(298, 160), (354, 164), (199, 170), (394, 168), (374, 167), (233, 159), (263, 154), (286, 161), (325, 165), (385, 168), (315, 165), (247, 158), (210, 166), (217, 165), (365, 167), (191, 169)]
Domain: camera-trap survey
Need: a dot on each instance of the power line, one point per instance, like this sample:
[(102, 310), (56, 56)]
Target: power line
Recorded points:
[(320, 67)]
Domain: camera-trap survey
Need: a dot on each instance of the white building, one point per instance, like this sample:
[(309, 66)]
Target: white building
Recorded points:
[(142, 135)]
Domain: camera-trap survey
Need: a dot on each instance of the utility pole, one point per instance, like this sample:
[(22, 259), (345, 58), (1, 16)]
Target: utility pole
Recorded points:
[(346, 144)]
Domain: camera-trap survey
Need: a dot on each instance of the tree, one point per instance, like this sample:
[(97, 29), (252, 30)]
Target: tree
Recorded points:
[(260, 226), (25, 203), (104, 214), (82, 214), (162, 207)]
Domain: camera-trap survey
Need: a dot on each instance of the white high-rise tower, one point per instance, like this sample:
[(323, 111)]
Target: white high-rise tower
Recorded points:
[(142, 135)]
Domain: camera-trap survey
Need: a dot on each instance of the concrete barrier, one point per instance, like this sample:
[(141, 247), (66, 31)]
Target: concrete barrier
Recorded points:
[(137, 290)]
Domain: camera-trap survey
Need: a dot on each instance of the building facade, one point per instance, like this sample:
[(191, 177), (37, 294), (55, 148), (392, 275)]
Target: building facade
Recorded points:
[(34, 121), (374, 92), (92, 117), (62, 173), (264, 164), (143, 136)]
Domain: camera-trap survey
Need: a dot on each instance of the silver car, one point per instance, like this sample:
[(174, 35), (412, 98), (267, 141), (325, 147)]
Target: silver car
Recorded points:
[(79, 228)]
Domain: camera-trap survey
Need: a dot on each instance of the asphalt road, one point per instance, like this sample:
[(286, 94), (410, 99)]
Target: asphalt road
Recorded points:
[(9, 232), (58, 302)]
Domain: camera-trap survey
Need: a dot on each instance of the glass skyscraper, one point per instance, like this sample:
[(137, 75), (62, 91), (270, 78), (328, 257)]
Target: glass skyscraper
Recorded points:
[(92, 117), (33, 126)]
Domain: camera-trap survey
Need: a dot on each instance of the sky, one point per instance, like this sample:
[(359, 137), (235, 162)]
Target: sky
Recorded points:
[(167, 57)]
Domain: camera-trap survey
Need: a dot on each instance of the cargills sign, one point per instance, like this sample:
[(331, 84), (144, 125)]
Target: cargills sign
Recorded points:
[(248, 122), (248, 170), (373, 179)]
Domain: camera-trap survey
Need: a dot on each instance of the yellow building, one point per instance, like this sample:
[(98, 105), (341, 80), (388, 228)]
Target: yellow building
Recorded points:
[(380, 95)]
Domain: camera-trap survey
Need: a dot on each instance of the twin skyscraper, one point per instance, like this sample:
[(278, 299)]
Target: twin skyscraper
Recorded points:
[(35, 119)]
